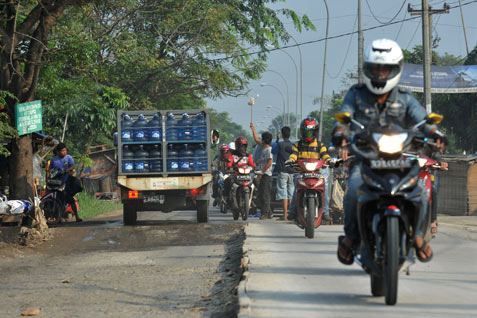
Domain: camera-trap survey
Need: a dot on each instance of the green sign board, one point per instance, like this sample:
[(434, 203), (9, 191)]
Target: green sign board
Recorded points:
[(28, 117)]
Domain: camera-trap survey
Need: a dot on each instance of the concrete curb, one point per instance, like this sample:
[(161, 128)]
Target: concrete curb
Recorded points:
[(244, 300)]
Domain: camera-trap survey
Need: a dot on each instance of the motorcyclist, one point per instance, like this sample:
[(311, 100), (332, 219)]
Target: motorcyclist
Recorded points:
[(240, 158), (222, 162), (308, 147), (378, 98)]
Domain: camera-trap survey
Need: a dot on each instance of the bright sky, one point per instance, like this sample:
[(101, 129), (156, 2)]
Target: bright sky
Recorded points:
[(342, 53)]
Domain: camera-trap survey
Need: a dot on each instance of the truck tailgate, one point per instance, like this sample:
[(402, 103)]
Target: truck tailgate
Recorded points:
[(164, 183)]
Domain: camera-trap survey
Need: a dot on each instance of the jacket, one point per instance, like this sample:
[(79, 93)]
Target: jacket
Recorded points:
[(313, 150)]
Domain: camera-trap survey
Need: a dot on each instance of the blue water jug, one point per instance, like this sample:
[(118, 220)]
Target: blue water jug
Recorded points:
[(186, 161), (128, 160), (200, 159), (185, 130), (172, 159), (155, 162), (141, 162), (126, 128), (172, 132), (155, 128), (140, 130), (199, 129)]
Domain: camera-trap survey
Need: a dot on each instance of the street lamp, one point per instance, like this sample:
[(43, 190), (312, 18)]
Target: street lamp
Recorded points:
[(288, 96), (324, 70), (301, 83), (283, 97)]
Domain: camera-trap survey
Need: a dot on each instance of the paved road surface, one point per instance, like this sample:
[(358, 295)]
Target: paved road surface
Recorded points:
[(292, 276)]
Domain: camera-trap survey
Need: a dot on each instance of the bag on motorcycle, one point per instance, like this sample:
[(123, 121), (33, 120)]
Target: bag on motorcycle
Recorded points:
[(337, 195), (73, 185)]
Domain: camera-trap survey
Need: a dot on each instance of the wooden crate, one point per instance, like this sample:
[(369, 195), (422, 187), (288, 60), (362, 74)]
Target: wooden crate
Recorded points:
[(458, 186)]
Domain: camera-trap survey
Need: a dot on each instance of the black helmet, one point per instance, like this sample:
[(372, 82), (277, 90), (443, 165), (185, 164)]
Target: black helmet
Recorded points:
[(309, 129)]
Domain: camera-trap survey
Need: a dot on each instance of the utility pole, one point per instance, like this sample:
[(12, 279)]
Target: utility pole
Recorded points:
[(463, 27), (360, 43), (427, 13)]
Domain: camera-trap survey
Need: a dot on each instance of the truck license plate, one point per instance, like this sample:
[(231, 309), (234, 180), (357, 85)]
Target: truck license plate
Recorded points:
[(154, 199)]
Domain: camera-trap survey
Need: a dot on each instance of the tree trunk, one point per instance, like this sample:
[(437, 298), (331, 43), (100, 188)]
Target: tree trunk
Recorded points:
[(21, 168)]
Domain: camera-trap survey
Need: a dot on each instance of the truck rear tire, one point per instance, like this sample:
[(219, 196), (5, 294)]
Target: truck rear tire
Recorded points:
[(203, 211), (129, 214)]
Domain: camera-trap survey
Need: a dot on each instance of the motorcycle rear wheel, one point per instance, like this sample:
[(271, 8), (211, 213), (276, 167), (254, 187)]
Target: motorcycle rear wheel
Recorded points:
[(391, 260), (52, 210), (310, 218)]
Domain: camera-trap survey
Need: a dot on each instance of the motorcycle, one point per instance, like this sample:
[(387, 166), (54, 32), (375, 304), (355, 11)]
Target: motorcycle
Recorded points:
[(390, 205), (241, 192), (221, 197), (310, 194), (53, 202)]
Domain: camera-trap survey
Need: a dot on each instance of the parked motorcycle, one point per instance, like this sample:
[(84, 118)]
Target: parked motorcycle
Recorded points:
[(241, 192), (310, 194), (390, 208), (53, 202)]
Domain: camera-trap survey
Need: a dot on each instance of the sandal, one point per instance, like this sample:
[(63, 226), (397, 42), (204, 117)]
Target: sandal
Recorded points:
[(420, 250), (349, 259), (434, 228)]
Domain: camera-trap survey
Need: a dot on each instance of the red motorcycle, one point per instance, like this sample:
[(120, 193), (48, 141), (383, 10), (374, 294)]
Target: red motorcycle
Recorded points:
[(310, 194)]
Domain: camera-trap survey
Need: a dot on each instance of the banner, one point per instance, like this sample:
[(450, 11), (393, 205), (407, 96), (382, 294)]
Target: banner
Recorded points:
[(444, 79), (28, 117)]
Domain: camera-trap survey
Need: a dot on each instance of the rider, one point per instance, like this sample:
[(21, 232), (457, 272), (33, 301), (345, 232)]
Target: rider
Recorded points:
[(378, 98), (308, 147), (64, 162), (222, 162), (240, 157)]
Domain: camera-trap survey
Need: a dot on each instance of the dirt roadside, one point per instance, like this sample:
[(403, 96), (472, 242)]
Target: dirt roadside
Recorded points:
[(160, 268)]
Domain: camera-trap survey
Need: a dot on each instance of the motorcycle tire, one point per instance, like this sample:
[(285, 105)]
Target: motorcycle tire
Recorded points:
[(223, 207), (246, 206), (310, 218), (377, 285), (235, 214), (391, 260), (52, 209)]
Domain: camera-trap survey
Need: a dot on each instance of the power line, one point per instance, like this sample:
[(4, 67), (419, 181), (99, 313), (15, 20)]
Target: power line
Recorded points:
[(417, 28), (329, 38), (369, 7), (400, 27), (346, 55)]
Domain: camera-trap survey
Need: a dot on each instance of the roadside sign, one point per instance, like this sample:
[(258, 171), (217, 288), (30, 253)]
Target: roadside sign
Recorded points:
[(28, 117)]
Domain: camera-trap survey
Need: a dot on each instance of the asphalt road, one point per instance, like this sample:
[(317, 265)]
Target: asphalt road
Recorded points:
[(292, 276)]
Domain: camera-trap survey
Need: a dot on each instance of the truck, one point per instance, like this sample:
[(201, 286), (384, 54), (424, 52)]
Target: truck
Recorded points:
[(164, 161)]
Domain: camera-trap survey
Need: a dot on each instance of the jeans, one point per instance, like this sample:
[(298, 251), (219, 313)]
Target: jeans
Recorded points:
[(350, 203), (326, 206), (265, 194)]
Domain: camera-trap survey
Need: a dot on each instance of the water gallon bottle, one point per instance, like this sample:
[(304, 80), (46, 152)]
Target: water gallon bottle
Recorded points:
[(155, 162), (185, 130), (200, 159), (172, 133), (154, 128), (172, 159), (128, 160), (141, 162), (199, 129), (140, 130), (186, 159), (126, 128)]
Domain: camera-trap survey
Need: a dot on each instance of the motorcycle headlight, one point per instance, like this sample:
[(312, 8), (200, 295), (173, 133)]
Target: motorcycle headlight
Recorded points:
[(390, 143), (311, 166)]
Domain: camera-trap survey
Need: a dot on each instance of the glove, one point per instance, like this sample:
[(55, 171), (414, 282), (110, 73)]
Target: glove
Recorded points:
[(330, 164)]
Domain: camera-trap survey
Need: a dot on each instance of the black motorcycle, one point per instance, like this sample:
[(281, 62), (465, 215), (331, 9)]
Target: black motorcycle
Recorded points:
[(390, 205), (53, 201), (241, 192)]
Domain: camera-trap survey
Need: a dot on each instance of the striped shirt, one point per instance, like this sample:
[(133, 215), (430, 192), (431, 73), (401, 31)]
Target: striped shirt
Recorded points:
[(313, 150)]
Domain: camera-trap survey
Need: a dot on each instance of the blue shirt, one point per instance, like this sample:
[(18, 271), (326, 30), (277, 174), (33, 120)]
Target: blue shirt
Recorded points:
[(62, 164)]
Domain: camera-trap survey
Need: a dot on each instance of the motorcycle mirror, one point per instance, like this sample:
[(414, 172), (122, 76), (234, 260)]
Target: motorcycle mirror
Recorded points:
[(434, 118), (214, 137), (115, 139), (343, 118)]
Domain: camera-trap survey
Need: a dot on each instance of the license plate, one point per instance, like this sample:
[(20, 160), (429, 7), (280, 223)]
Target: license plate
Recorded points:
[(153, 199), (390, 164), (243, 177), (311, 175)]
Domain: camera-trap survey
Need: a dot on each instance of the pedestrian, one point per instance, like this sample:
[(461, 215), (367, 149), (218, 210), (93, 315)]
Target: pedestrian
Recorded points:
[(285, 184), (264, 167)]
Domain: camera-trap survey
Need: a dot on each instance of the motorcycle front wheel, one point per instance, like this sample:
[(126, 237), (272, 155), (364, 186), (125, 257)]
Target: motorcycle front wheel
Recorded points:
[(52, 210), (245, 206), (310, 218), (391, 260)]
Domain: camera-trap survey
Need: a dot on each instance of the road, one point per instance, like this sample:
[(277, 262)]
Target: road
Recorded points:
[(166, 266), (292, 276)]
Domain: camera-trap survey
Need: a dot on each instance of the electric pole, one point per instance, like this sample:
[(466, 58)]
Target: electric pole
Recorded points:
[(427, 13), (360, 43)]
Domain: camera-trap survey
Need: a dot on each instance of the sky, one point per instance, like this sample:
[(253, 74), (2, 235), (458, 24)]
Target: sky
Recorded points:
[(342, 51)]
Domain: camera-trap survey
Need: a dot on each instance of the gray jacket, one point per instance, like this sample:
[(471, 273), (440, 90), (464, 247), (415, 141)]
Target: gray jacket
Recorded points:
[(401, 108)]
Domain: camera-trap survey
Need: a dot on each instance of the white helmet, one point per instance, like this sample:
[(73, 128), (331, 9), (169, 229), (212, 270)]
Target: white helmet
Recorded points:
[(232, 145), (382, 66)]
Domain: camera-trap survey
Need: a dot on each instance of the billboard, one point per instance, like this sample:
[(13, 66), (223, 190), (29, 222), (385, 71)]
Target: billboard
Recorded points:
[(28, 117)]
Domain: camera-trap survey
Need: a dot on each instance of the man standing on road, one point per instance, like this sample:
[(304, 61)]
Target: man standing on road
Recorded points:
[(285, 184)]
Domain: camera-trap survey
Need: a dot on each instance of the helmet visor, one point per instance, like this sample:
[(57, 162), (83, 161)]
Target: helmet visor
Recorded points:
[(241, 148), (381, 72), (308, 132)]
